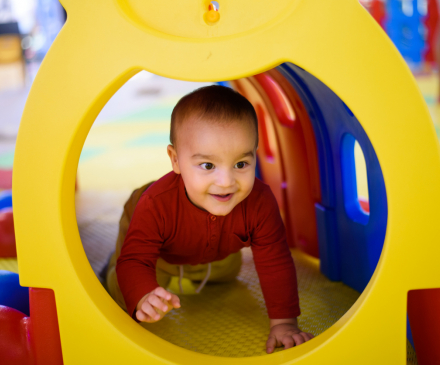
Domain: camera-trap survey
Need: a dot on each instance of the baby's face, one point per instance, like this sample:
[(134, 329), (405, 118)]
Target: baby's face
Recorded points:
[(217, 163)]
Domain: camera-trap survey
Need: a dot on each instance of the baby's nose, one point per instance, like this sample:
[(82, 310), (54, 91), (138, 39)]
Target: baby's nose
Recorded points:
[(225, 179)]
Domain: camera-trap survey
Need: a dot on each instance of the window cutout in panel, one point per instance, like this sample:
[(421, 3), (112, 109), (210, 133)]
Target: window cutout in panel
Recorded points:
[(361, 178), (351, 164)]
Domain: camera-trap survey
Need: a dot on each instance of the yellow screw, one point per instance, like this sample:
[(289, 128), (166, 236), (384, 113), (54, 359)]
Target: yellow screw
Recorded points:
[(212, 16)]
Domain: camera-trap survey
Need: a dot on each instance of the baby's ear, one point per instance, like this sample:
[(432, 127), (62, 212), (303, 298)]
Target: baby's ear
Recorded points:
[(172, 153)]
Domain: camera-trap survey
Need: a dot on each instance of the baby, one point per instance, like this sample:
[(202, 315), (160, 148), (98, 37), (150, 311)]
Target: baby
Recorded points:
[(194, 221)]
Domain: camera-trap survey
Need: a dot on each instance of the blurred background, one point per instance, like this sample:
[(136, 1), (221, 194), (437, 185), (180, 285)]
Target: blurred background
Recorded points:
[(28, 28)]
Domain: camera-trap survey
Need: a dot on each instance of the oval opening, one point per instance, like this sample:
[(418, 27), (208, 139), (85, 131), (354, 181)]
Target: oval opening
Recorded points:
[(361, 178), (121, 152), (354, 175)]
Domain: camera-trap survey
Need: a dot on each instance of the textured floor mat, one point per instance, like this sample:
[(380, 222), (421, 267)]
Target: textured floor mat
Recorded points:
[(230, 319)]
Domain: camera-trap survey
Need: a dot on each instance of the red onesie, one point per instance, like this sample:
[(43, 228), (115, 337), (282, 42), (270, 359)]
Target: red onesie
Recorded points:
[(166, 224)]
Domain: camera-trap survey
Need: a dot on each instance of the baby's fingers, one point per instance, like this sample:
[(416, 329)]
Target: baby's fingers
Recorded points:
[(142, 317), (307, 336), (172, 299), (298, 339), (162, 293), (175, 301), (157, 303), (289, 341), (146, 313), (270, 344)]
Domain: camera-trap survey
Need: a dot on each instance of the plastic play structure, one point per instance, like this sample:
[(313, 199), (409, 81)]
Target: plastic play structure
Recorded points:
[(7, 235), (321, 74)]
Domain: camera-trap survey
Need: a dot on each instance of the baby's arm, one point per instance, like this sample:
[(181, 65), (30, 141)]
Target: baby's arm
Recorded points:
[(136, 265), (285, 332), (276, 271), (154, 305)]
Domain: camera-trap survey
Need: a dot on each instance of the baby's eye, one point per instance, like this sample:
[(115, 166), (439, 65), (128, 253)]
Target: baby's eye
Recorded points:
[(241, 165), (207, 166)]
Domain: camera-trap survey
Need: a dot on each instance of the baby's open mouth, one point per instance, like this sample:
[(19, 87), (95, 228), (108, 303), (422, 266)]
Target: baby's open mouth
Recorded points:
[(222, 197)]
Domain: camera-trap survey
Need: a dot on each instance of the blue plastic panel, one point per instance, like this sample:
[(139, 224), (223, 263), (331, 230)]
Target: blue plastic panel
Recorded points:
[(6, 199), (409, 333), (328, 242), (357, 243), (404, 25), (12, 294)]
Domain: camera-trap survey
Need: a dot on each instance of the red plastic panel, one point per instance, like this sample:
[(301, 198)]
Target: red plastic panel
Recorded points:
[(378, 12), (15, 345), (307, 129), (7, 234), (268, 152), (282, 106), (45, 334), (431, 24), (298, 150), (424, 318), (264, 136)]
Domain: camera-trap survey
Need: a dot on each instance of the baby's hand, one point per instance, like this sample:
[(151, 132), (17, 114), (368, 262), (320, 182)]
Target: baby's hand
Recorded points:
[(286, 334), (154, 305)]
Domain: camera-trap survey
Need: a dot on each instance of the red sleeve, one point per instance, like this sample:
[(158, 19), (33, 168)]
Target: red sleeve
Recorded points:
[(273, 260), (136, 265)]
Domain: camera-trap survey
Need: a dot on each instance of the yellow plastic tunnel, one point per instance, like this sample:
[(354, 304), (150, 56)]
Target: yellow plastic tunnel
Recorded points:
[(105, 43)]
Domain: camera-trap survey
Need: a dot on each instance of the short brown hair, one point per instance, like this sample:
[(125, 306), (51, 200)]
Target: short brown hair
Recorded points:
[(215, 103)]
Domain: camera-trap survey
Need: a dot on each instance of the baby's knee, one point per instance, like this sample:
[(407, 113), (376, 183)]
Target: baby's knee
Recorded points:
[(227, 269)]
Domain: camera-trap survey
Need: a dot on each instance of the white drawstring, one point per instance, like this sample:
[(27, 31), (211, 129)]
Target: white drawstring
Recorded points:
[(180, 278), (202, 284)]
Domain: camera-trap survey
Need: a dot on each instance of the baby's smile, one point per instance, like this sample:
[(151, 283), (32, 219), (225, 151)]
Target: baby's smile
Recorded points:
[(222, 198)]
